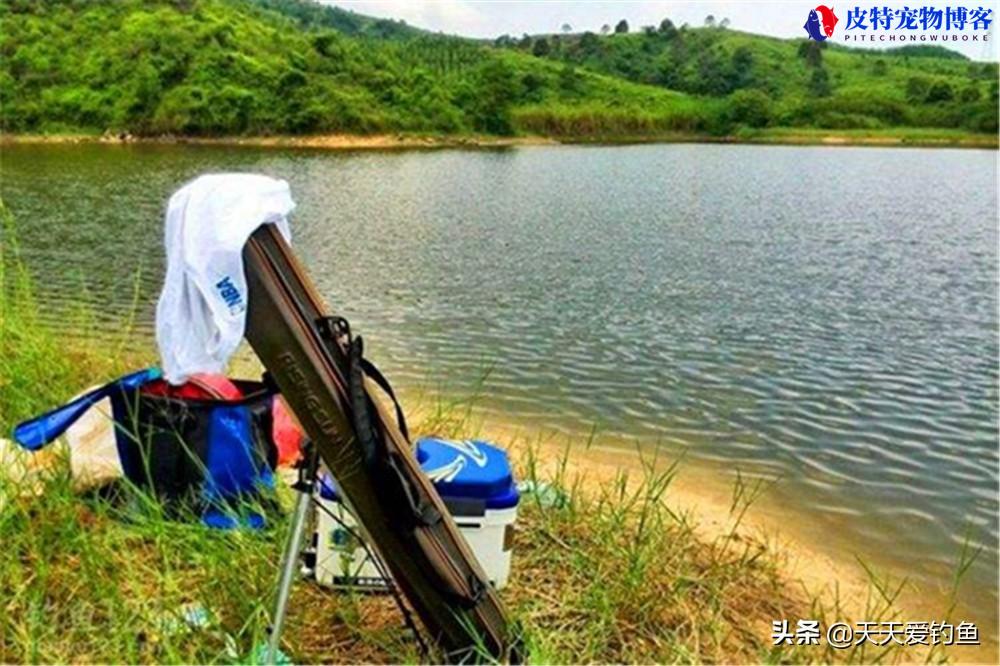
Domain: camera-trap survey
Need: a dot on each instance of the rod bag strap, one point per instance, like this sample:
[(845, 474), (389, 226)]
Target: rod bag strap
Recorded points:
[(337, 331), (376, 376), (376, 454)]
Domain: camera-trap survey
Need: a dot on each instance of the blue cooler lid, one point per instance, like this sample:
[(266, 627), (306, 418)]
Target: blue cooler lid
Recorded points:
[(468, 469), (467, 473)]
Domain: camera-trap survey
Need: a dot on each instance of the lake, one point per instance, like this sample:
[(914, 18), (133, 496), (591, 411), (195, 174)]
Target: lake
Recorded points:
[(823, 315)]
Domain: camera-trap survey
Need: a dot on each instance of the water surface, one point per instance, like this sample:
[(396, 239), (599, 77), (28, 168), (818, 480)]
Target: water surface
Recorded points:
[(826, 315)]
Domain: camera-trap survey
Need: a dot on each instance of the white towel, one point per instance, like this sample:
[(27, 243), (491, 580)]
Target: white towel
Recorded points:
[(201, 314)]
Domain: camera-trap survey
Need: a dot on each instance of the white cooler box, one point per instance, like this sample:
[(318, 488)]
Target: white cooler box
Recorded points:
[(475, 481)]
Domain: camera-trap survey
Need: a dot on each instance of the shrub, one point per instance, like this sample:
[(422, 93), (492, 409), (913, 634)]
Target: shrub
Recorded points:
[(939, 91), (838, 120), (970, 94), (916, 88), (819, 82), (749, 107)]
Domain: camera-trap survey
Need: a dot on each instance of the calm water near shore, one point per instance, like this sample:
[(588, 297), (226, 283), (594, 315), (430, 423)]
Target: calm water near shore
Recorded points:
[(823, 315)]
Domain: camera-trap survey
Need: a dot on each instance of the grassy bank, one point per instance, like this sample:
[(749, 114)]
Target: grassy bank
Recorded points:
[(898, 137), (611, 572), (611, 576)]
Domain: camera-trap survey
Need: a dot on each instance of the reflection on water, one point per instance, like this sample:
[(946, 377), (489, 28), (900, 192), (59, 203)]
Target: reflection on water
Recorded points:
[(827, 315)]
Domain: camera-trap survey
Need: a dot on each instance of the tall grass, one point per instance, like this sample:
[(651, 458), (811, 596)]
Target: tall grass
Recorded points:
[(79, 581)]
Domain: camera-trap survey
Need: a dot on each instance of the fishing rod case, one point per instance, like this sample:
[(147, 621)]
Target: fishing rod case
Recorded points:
[(320, 369)]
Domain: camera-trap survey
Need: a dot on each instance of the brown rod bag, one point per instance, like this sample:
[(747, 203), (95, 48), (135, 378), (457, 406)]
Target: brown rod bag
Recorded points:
[(329, 386)]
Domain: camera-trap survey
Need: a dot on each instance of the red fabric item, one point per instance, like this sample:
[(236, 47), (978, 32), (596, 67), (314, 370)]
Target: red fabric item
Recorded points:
[(286, 433), (201, 386), (217, 386)]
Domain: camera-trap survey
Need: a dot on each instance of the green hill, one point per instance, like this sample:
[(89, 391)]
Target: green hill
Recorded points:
[(266, 67), (801, 82), (209, 67)]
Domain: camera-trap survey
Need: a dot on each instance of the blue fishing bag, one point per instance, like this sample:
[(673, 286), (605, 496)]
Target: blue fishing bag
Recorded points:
[(211, 456)]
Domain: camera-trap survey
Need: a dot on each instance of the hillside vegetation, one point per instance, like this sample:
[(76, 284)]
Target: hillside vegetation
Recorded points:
[(792, 82), (267, 67)]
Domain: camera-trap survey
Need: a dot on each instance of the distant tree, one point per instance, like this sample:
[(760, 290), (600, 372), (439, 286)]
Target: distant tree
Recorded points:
[(504, 41), (569, 79), (879, 67), (742, 62), (714, 74), (605, 29), (326, 43), (812, 52), (649, 30), (384, 28), (499, 88), (525, 42), (819, 83), (710, 21), (589, 42), (533, 85), (724, 23), (567, 28), (970, 93), (667, 28), (541, 47), (622, 27), (917, 88)]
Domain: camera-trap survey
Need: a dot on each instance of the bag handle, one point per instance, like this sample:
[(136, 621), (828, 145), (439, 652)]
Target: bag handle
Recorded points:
[(35, 433)]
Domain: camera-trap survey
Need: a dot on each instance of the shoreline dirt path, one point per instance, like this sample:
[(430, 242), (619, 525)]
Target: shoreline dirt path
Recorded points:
[(832, 138)]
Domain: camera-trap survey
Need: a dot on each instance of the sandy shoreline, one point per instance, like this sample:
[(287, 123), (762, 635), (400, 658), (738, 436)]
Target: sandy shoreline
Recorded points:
[(317, 141), (705, 499), (428, 142)]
